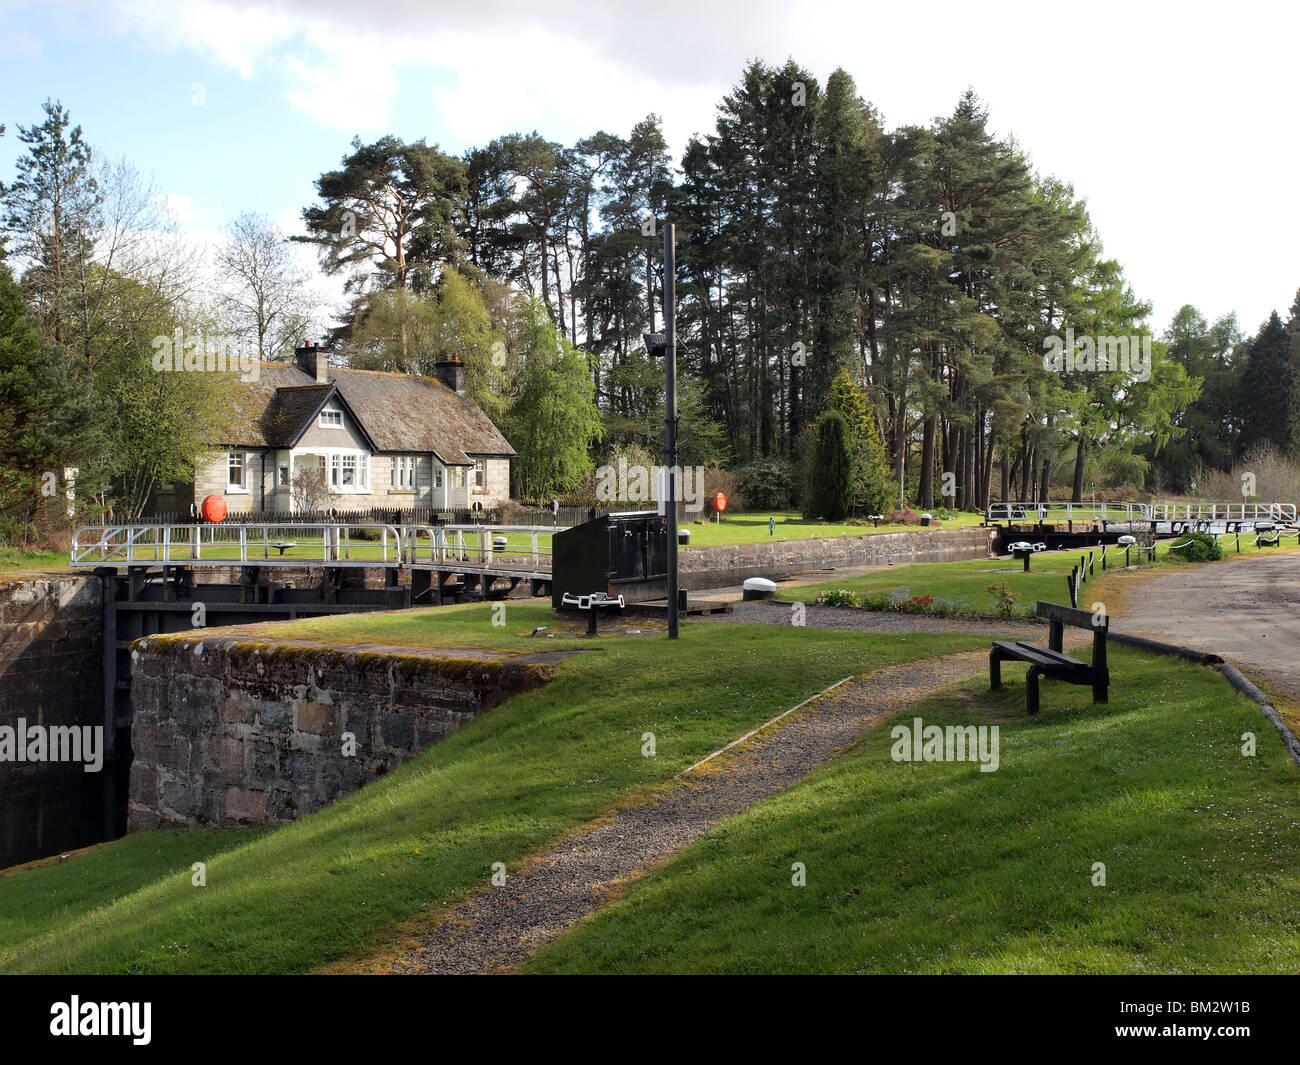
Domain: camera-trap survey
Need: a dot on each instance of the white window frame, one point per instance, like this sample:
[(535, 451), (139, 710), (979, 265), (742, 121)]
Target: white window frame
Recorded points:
[(237, 460), (331, 419), (331, 460), (480, 475), (437, 476), (401, 475)]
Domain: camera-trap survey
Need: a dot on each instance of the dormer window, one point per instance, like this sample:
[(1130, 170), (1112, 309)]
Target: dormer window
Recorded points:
[(331, 419)]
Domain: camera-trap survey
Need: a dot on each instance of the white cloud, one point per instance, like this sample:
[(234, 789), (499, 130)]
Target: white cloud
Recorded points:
[(1171, 121), (19, 43)]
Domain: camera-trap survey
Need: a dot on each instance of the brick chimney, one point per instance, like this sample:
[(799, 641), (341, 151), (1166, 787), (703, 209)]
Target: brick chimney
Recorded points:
[(313, 360), (451, 372)]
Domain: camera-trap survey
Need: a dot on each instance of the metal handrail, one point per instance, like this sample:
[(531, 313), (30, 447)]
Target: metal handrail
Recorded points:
[(329, 543), (1128, 512), (1282, 512), (96, 545), (1080, 512), (456, 543)]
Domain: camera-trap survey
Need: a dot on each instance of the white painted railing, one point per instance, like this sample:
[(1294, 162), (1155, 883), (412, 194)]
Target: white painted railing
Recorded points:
[(1083, 513), (1069, 512), (1284, 513), (327, 543), (477, 543)]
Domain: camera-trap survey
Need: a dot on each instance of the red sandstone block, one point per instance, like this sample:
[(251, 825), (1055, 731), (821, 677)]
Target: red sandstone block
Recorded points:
[(316, 718), (140, 819), (172, 751), (245, 806), (144, 785)]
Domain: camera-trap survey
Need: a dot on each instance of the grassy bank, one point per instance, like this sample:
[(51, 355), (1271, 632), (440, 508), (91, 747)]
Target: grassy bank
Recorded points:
[(958, 586), (756, 527), (303, 895), (17, 560), (963, 586), (938, 868)]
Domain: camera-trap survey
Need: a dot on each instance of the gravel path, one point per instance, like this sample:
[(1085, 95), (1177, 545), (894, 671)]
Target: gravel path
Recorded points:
[(1247, 610), (501, 927)]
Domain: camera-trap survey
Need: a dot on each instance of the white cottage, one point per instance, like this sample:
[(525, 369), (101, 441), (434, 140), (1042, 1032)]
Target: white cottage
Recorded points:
[(308, 433)]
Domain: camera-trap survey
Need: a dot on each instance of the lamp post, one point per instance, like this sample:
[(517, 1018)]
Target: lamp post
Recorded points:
[(665, 344)]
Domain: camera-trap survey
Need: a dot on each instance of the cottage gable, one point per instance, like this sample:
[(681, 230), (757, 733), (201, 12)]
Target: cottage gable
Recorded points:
[(376, 440), (397, 412)]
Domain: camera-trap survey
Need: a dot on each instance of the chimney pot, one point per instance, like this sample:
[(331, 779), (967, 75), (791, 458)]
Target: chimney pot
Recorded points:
[(451, 372), (313, 361)]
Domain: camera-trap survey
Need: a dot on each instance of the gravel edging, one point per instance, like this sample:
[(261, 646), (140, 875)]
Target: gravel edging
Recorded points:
[(1239, 681), (499, 928), (1201, 658)]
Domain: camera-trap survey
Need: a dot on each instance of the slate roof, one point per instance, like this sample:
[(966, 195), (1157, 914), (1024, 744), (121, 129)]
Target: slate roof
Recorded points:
[(397, 412)]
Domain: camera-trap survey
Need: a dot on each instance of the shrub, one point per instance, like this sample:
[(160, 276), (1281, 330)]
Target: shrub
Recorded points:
[(1202, 547), (766, 485), (1004, 599), (831, 490), (839, 597)]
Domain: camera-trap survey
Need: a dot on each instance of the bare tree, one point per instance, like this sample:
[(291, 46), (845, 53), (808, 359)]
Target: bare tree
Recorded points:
[(142, 269), (266, 299), (310, 489)]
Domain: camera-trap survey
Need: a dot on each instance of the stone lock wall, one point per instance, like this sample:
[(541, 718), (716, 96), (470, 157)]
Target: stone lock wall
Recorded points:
[(231, 732), (703, 567), (51, 674)]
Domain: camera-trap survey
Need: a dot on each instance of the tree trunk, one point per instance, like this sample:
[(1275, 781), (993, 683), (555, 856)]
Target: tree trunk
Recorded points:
[(1080, 453), (925, 492)]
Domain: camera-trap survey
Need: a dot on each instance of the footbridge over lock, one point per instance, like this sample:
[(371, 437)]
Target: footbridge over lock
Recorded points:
[(162, 578), (1075, 525)]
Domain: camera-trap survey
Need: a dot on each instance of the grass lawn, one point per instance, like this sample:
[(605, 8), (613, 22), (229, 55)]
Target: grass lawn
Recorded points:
[(330, 886), (961, 585), (751, 528), (18, 560), (935, 867)]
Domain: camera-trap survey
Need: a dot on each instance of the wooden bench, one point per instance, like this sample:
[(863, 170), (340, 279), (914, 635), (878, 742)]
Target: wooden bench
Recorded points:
[(1050, 661)]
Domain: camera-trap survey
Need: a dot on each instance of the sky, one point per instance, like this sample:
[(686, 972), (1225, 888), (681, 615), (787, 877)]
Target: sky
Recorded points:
[(1175, 121)]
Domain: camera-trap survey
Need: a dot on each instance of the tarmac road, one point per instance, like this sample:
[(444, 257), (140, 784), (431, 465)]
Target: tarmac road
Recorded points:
[(1247, 611)]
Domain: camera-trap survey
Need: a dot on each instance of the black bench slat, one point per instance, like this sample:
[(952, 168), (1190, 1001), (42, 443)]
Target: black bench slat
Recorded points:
[(1068, 615), (1051, 661), (1052, 656), (1040, 656)]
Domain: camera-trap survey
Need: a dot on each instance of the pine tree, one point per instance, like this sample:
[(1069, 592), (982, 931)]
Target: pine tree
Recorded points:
[(51, 213), (1267, 395), (872, 487), (831, 492), (49, 416)]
